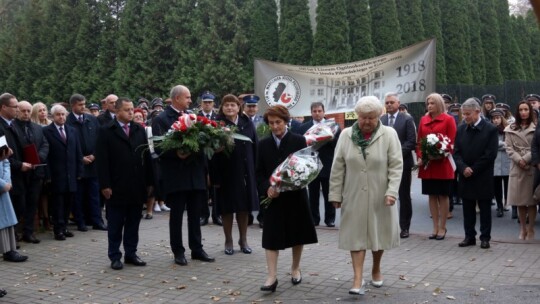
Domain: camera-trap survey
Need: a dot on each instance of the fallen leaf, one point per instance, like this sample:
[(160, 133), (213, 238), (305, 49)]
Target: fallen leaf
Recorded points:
[(482, 288), (472, 259), (215, 299), (43, 289), (402, 277), (426, 284), (314, 274), (194, 278), (450, 297), (226, 282), (181, 287)]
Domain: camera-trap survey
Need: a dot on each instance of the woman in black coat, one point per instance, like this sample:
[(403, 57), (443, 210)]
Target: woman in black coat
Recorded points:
[(234, 175), (287, 220)]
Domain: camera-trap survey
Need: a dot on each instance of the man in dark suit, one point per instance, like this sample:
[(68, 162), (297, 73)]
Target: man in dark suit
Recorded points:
[(475, 151), (125, 176), (184, 182), (109, 110), (326, 154), (33, 140), (19, 168), (65, 167), (406, 130), (207, 110), (86, 204)]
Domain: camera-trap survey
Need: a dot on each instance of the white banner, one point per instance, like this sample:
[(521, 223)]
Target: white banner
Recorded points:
[(410, 72)]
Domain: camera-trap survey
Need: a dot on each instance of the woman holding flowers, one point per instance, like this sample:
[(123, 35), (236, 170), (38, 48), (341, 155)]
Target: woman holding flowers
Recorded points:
[(287, 219), (364, 183), (436, 171), (233, 175)]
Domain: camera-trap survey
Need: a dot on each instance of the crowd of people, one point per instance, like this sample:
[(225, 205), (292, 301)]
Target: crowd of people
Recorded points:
[(70, 166)]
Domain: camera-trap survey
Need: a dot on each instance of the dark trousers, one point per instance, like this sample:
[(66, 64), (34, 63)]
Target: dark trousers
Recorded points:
[(61, 206), (178, 202), (87, 202), (405, 201), (205, 207), (123, 224), (500, 184), (454, 193), (469, 218), (314, 197), (33, 191)]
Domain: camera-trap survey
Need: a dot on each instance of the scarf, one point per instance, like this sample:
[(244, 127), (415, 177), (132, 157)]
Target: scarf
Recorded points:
[(358, 138)]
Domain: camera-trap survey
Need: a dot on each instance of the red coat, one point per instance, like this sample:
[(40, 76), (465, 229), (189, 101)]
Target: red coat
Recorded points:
[(446, 125)]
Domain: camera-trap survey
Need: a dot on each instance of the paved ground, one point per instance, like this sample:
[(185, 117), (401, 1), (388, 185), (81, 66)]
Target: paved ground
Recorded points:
[(419, 271)]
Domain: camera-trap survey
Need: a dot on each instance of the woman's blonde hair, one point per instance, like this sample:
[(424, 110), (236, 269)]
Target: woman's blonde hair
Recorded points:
[(439, 102), (34, 116)]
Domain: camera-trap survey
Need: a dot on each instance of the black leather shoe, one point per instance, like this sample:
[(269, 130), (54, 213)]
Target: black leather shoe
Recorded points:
[(404, 234), (271, 288), (31, 239), (68, 233), (217, 221), (202, 256), (180, 260), (60, 237), (330, 224), (229, 251), (101, 227), (296, 281), (484, 245), (82, 228), (134, 260), (467, 242), (14, 256), (245, 250), (117, 265), (204, 221), (500, 213), (3, 292), (261, 225)]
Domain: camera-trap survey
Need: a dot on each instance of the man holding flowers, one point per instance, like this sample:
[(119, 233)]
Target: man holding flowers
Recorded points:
[(184, 182)]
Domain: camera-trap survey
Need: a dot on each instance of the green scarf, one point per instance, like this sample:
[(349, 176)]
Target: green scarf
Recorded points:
[(358, 138)]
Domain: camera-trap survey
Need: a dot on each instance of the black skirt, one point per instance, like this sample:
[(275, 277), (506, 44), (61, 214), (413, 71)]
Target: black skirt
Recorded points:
[(436, 186), (288, 222)]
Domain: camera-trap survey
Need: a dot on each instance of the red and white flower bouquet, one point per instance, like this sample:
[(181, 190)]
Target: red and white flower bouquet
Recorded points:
[(297, 171), (435, 147), (321, 133)]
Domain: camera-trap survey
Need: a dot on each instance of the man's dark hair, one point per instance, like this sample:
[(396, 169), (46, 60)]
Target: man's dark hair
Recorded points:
[(317, 104), (120, 101), (75, 98), (5, 99)]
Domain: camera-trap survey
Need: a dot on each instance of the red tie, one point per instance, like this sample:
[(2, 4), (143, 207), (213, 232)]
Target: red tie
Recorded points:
[(126, 129), (62, 134)]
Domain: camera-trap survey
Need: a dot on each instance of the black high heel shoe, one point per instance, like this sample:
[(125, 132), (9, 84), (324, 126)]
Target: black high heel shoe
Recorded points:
[(245, 250), (271, 288), (432, 236), (441, 237), (296, 281), (3, 292)]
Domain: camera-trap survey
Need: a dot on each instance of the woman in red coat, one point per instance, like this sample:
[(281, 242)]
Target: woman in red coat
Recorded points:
[(437, 176)]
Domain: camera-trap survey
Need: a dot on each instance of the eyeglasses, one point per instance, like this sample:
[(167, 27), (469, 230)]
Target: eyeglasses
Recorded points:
[(14, 107)]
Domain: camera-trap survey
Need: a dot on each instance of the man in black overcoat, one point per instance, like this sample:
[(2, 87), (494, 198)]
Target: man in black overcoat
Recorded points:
[(475, 151), (326, 154), (184, 182), (65, 168), (124, 177), (406, 130), (87, 203)]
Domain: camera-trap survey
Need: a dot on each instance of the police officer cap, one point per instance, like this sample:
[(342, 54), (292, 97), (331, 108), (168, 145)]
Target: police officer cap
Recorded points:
[(207, 96), (454, 107), (496, 112), (93, 106), (502, 106), (251, 99), (488, 96), (404, 106), (157, 102), (533, 97), (447, 98)]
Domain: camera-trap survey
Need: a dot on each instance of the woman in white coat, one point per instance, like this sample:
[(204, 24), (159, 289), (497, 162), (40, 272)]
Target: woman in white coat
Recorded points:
[(364, 183)]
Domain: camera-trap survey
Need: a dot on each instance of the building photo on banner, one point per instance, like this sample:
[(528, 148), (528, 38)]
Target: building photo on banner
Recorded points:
[(410, 72)]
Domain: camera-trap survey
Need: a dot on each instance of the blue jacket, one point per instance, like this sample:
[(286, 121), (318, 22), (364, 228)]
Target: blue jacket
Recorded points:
[(7, 214)]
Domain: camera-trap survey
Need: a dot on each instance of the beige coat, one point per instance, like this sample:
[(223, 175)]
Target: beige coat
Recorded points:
[(520, 182), (361, 186)]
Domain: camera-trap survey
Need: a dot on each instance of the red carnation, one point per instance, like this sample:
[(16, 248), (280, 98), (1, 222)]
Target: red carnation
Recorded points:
[(438, 145), (183, 128), (213, 123)]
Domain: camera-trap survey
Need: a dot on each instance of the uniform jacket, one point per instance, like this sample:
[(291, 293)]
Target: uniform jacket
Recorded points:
[(65, 159), (33, 134), (326, 152), (476, 147), (446, 125), (213, 116), (123, 163), (361, 186), (257, 120), (406, 130), (518, 146), (87, 131), (179, 174)]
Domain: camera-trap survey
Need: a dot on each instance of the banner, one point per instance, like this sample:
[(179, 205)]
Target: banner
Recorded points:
[(410, 72)]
